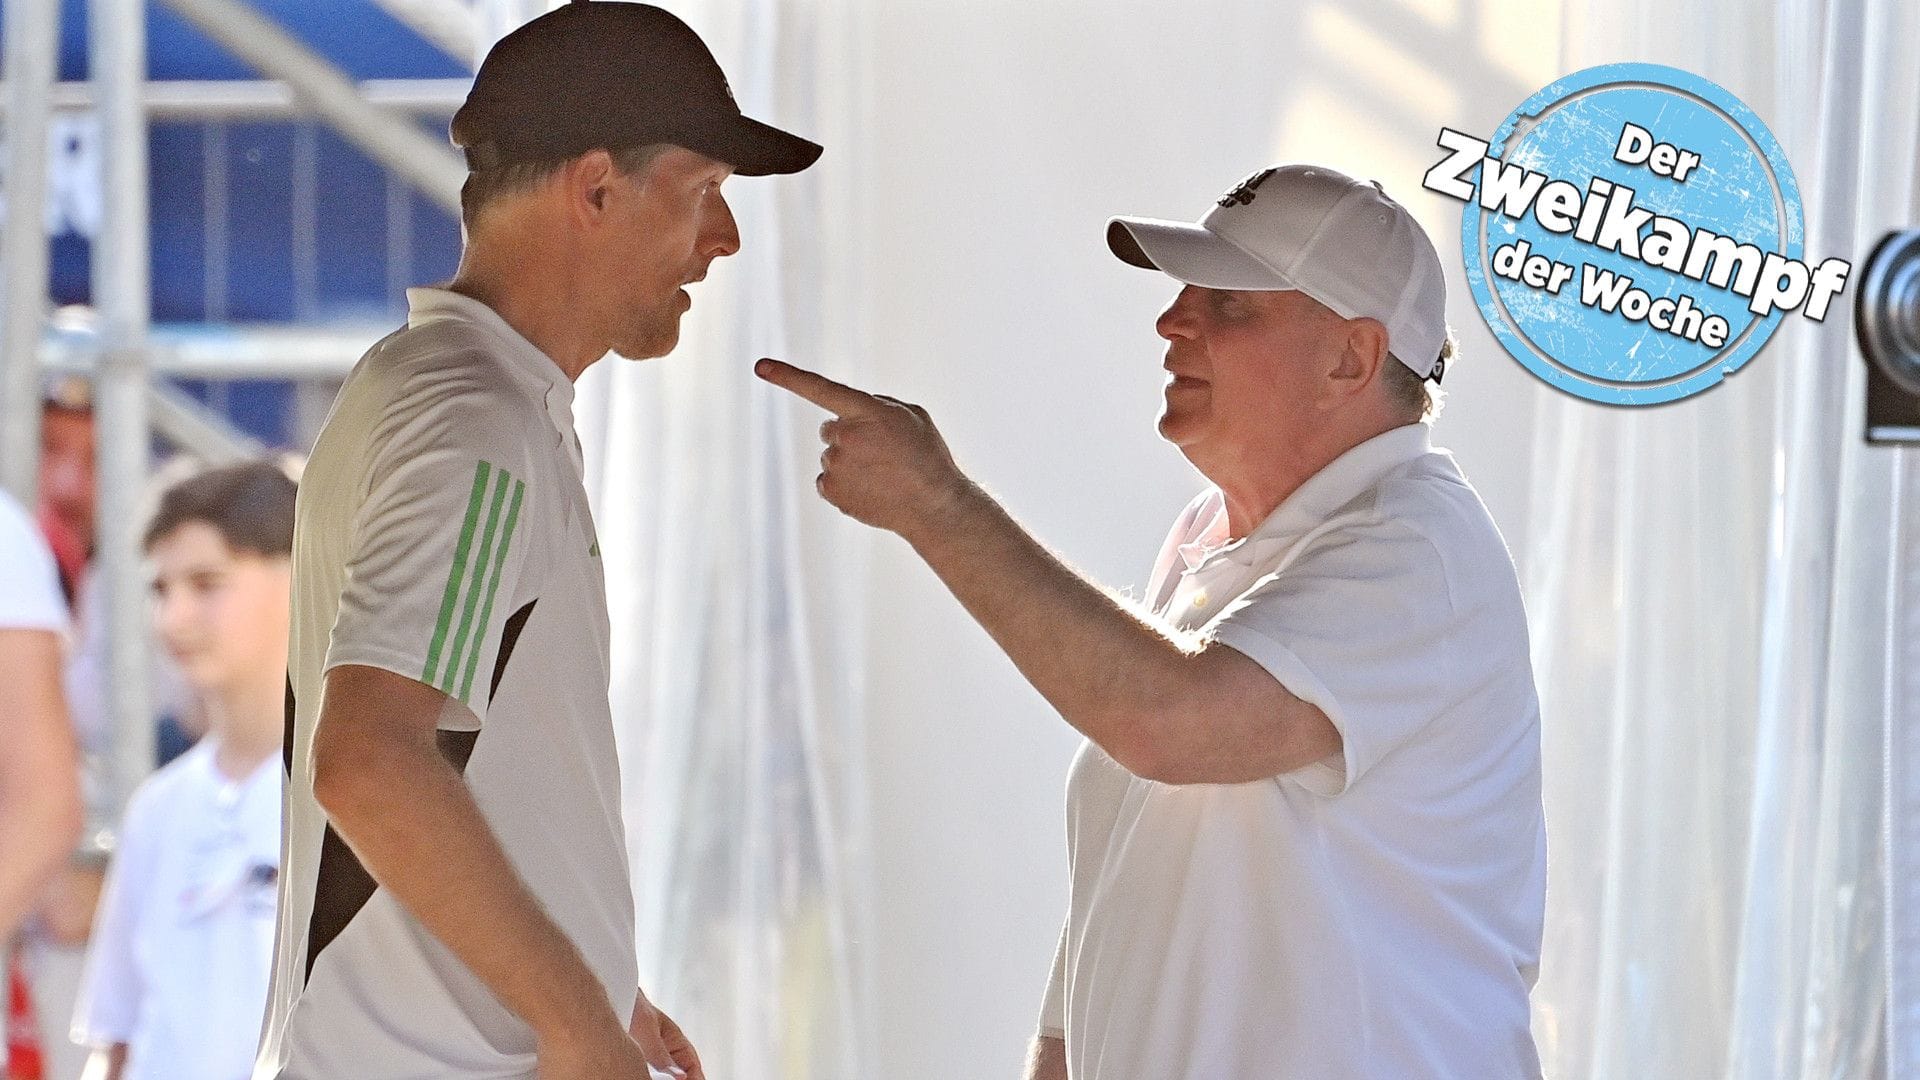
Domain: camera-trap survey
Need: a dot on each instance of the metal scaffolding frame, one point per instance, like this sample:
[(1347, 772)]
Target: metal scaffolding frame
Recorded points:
[(242, 99), (117, 55), (32, 29), (219, 352), (185, 423), (395, 142), (125, 351), (451, 25)]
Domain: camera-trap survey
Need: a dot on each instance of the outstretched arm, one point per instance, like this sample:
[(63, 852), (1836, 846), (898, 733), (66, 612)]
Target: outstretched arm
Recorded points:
[(1165, 706)]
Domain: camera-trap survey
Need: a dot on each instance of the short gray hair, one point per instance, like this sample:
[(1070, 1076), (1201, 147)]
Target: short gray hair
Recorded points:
[(1414, 393), (484, 186)]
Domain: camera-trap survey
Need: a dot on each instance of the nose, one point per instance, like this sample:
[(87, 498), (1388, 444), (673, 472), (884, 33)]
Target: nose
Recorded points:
[(169, 613), (1178, 320), (719, 235)]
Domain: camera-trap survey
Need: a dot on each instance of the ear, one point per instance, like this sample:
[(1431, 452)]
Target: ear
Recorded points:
[(586, 180), (1363, 350)]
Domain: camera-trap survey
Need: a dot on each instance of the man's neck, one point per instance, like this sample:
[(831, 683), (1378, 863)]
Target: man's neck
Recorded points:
[(533, 298), (1254, 486)]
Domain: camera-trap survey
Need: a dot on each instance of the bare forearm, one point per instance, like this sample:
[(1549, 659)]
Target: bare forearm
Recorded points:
[(1069, 637), (106, 1063), (35, 838), (415, 826), (1047, 1060), (1163, 704), (39, 774)]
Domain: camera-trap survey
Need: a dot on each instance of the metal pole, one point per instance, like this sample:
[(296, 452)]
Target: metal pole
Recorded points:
[(121, 268), (255, 352), (181, 420), (399, 144), (265, 99), (450, 25), (32, 30)]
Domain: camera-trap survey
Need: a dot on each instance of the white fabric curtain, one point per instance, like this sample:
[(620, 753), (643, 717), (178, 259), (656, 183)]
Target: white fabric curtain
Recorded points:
[(1723, 596), (1717, 644), (737, 633)]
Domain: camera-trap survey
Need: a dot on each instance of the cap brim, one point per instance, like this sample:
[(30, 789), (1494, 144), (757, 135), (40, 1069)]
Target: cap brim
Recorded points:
[(754, 148), (1190, 253)]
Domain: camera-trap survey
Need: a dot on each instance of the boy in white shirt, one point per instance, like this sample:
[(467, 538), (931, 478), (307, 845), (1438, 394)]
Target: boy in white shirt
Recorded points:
[(176, 980)]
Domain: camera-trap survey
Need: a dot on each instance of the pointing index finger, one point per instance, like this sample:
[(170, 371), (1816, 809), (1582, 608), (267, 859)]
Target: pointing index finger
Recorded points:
[(837, 398)]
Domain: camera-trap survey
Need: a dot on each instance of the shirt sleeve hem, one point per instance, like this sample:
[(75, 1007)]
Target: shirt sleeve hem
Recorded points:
[(93, 1035), (404, 664), (45, 619), (1332, 775)]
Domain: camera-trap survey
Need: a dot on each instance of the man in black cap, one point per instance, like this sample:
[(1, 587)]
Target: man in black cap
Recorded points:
[(455, 899)]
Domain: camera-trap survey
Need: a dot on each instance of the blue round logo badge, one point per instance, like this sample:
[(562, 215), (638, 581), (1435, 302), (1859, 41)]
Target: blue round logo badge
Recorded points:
[(1634, 235)]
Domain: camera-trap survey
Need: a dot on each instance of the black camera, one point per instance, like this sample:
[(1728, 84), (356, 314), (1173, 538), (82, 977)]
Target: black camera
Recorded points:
[(1886, 319)]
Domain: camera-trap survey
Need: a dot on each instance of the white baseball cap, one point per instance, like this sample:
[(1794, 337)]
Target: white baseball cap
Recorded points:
[(1308, 227)]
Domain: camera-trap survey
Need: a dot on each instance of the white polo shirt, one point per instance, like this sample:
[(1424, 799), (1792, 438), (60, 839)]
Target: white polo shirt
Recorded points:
[(1374, 915), (184, 937), (442, 533)]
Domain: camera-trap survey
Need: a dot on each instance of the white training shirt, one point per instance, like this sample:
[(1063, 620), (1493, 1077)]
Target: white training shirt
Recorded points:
[(1374, 915), (183, 940), (442, 533), (30, 596)]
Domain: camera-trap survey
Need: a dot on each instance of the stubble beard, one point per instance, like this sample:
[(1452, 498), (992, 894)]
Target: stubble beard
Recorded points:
[(655, 334)]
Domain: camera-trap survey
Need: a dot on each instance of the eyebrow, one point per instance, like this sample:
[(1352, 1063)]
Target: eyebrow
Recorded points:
[(196, 568)]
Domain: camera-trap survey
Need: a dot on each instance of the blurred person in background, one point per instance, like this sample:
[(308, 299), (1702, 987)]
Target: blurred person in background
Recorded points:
[(39, 774), (176, 979), (67, 477), (65, 520), (68, 498)]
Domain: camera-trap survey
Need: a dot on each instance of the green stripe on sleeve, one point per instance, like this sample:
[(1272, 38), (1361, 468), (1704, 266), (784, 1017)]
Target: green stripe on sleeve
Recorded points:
[(479, 572), (493, 586), (457, 574)]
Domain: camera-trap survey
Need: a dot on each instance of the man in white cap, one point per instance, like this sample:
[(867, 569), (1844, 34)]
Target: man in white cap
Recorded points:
[(1305, 835)]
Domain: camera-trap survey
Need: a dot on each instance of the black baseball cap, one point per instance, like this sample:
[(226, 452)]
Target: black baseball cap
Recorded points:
[(607, 74)]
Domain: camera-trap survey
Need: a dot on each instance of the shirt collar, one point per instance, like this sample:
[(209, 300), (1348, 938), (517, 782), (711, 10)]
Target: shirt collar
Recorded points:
[(203, 757), (425, 305), (1338, 483)]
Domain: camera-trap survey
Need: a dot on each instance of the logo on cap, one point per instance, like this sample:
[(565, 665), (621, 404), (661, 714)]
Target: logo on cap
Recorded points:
[(1243, 194)]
